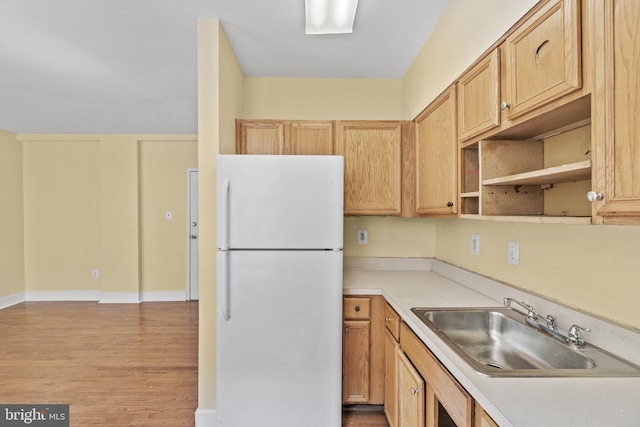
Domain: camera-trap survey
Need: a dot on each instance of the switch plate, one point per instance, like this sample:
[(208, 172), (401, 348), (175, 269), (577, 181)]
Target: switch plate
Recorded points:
[(95, 273), (513, 252), (363, 237), (475, 244), (168, 215)]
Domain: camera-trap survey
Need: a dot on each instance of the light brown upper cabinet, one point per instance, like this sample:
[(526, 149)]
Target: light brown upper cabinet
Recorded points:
[(284, 137), (542, 58), (436, 146), (309, 137), (479, 97), (259, 137), (616, 112), (372, 166)]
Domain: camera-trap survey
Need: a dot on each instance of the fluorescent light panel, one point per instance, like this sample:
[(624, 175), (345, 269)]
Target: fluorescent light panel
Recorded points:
[(330, 16)]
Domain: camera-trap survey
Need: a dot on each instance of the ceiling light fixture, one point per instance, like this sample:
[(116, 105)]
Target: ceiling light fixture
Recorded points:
[(330, 16)]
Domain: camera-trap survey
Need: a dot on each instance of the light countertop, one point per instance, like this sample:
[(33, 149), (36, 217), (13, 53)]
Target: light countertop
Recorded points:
[(518, 402)]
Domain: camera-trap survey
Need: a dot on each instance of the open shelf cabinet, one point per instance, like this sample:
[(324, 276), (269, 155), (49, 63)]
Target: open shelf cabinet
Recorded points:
[(538, 180)]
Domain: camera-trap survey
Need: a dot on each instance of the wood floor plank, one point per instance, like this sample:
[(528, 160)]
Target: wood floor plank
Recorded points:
[(114, 364)]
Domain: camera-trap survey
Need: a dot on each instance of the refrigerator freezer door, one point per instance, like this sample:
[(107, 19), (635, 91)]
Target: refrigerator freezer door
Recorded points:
[(279, 354), (279, 202)]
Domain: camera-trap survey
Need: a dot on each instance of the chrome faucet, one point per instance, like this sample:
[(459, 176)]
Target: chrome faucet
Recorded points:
[(574, 335)]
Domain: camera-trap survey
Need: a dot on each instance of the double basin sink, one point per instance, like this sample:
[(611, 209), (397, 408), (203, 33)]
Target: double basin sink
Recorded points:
[(498, 342)]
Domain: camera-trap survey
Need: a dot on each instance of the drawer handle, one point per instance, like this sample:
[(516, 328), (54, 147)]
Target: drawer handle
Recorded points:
[(357, 308)]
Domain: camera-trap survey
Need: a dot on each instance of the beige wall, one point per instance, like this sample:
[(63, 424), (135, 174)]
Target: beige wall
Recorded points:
[(592, 267), (163, 188), (82, 211), (11, 216), (61, 213), (220, 86), (322, 99), (120, 225)]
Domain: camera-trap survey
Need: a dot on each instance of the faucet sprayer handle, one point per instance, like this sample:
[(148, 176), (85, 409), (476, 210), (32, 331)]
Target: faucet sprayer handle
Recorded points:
[(531, 312)]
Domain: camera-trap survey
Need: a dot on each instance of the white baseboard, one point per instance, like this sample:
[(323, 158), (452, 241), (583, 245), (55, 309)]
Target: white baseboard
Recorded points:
[(102, 297), (119, 297), (164, 296), (62, 296), (10, 300), (206, 417)]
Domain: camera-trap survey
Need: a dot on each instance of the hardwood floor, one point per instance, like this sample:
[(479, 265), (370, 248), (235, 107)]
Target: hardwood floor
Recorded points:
[(114, 364)]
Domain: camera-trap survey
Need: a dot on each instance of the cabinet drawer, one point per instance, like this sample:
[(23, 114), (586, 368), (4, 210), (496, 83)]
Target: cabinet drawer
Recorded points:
[(356, 308), (392, 321)]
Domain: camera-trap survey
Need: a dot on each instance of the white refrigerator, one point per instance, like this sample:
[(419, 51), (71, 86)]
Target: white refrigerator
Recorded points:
[(279, 234)]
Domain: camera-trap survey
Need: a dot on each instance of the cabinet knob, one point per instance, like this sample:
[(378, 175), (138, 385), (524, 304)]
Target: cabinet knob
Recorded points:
[(449, 204), (387, 319), (592, 196), (414, 391), (357, 308), (346, 330), (504, 105)]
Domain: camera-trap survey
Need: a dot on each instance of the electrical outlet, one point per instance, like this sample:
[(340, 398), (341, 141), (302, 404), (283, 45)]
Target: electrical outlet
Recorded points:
[(475, 244), (95, 273), (363, 237), (513, 252)]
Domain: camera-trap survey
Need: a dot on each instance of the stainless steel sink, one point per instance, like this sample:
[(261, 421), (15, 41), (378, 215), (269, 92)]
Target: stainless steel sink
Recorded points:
[(497, 342)]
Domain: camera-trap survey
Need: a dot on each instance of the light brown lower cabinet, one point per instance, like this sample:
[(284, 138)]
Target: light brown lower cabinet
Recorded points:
[(391, 393), (482, 419), (362, 354), (384, 362), (447, 402), (411, 400)]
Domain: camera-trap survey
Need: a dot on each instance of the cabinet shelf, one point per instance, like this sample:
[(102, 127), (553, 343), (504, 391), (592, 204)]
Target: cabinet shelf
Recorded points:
[(566, 173), (470, 194)]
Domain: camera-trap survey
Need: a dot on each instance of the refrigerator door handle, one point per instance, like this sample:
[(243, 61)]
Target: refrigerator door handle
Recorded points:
[(224, 239), (226, 286)]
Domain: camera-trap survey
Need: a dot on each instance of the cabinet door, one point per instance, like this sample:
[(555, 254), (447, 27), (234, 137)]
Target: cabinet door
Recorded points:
[(259, 137), (372, 166), (313, 138), (356, 361), (482, 419), (616, 111), (436, 146), (411, 397), (479, 98), (391, 348), (543, 59)]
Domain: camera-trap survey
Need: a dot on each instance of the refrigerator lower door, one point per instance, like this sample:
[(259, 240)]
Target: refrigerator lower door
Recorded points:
[(279, 353)]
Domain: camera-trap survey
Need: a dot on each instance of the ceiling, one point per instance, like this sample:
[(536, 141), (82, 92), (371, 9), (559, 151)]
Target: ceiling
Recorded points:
[(129, 66)]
